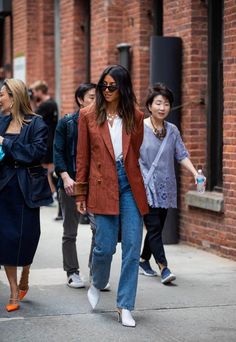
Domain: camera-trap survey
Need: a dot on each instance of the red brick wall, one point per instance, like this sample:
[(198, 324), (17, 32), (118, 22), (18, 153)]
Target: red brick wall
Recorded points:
[(111, 23), (188, 20), (229, 130), (116, 22), (137, 27), (106, 33), (19, 11), (7, 48), (33, 36), (40, 48), (72, 51)]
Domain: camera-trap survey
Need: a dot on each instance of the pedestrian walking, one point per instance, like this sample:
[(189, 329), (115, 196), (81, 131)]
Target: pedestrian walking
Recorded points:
[(47, 108), (162, 144), (109, 184), (23, 185), (65, 147)]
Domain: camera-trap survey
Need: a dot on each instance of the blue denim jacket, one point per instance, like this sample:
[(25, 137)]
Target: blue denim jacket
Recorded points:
[(162, 190), (65, 146)]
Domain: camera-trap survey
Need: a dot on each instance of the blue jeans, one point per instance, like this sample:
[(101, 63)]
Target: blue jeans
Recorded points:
[(131, 224)]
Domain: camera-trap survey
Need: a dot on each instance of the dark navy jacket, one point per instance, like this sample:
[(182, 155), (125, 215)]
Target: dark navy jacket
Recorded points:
[(26, 152), (65, 146)]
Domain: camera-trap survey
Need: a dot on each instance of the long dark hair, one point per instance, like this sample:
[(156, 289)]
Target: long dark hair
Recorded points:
[(127, 101)]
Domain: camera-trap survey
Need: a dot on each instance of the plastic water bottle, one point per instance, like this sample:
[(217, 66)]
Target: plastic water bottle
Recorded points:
[(200, 181), (2, 154)]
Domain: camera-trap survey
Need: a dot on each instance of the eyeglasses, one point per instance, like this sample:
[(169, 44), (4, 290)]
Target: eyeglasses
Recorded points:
[(111, 88)]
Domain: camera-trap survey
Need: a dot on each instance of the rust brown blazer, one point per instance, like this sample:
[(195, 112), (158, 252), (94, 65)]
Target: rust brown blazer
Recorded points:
[(96, 179)]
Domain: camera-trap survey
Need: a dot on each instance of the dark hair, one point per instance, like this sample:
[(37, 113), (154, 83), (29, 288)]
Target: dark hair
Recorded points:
[(159, 89), (126, 106), (82, 90)]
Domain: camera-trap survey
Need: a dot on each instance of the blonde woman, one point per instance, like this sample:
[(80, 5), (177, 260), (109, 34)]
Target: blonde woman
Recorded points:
[(23, 185)]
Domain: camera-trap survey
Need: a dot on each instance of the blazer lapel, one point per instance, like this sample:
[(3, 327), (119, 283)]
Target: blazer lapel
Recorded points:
[(4, 123), (105, 133), (125, 142)]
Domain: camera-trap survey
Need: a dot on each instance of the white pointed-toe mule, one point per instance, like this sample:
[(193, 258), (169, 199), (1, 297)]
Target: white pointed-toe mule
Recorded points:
[(125, 317), (93, 296)]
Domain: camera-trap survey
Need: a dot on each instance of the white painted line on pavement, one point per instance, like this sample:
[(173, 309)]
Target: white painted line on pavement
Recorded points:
[(10, 319)]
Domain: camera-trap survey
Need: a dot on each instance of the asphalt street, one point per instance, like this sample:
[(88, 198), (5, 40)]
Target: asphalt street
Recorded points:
[(199, 306)]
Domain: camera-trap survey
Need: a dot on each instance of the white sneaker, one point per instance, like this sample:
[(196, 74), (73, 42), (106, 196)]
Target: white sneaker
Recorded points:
[(126, 318), (93, 296), (75, 281)]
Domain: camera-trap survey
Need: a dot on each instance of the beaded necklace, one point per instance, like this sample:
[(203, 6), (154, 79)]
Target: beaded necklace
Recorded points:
[(159, 133), (111, 117)]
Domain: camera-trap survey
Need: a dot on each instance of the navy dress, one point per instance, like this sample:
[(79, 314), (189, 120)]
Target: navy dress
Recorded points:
[(19, 224)]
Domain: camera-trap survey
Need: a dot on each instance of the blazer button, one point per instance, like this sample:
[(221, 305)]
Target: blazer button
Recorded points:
[(99, 181)]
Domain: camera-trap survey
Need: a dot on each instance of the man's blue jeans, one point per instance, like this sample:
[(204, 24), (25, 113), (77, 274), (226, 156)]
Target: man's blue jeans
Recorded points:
[(131, 224)]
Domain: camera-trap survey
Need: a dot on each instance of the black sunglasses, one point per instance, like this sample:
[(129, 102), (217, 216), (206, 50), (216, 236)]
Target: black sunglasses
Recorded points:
[(111, 88)]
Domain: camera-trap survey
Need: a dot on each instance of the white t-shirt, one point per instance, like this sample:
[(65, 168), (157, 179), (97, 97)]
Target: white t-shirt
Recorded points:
[(116, 137)]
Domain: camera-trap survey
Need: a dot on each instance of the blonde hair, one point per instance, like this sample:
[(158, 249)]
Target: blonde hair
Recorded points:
[(21, 102), (40, 85)]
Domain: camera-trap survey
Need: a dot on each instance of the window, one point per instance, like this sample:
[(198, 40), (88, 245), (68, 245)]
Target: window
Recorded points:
[(215, 95), (157, 17)]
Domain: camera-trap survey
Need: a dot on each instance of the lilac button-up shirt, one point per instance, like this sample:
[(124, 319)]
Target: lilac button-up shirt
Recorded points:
[(161, 190)]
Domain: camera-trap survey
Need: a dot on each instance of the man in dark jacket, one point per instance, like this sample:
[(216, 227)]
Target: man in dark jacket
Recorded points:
[(65, 144), (47, 108)]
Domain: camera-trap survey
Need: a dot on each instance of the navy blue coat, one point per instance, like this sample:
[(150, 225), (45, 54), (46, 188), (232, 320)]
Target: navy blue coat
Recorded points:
[(65, 146), (26, 153)]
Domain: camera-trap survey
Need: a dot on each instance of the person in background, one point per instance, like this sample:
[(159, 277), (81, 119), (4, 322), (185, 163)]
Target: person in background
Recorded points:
[(23, 185), (65, 146), (109, 184), (162, 144), (47, 108)]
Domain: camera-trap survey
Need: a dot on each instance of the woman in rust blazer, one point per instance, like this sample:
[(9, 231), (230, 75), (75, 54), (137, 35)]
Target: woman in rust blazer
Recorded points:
[(110, 184)]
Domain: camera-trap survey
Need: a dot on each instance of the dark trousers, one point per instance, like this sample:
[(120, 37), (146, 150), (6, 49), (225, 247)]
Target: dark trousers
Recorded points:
[(153, 245), (70, 224), (71, 218)]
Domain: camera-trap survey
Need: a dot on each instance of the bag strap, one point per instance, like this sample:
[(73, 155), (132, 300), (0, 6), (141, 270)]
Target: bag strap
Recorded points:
[(155, 162)]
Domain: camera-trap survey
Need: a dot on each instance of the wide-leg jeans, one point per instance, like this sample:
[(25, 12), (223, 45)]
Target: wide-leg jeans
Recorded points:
[(131, 224)]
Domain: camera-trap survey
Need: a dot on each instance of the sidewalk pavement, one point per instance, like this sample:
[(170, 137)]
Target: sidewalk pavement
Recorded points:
[(199, 306)]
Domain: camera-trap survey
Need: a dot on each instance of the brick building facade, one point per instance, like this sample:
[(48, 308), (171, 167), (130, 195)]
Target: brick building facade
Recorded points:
[(66, 42)]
